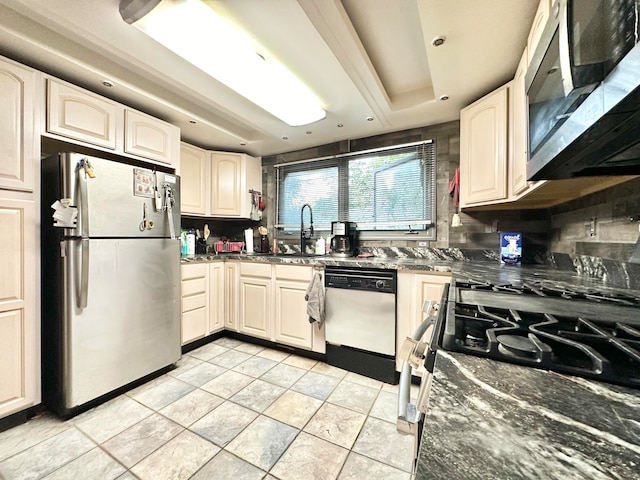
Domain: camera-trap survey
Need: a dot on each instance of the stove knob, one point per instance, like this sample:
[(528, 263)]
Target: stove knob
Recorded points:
[(379, 284)]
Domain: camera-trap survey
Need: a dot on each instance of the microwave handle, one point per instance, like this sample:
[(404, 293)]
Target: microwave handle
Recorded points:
[(565, 49)]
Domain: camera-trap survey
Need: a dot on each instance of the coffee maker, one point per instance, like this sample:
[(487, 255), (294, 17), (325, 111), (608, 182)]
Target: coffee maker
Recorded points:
[(343, 241)]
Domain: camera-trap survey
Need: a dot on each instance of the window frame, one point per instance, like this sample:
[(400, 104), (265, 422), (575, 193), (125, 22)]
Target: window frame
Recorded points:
[(342, 162)]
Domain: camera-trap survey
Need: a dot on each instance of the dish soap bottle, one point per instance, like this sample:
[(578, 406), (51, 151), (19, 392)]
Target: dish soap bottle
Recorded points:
[(320, 246)]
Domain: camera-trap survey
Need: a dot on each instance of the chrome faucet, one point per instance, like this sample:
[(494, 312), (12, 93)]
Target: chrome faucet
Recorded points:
[(305, 234)]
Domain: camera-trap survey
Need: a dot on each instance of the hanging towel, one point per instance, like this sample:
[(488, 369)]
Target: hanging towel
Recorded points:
[(315, 300)]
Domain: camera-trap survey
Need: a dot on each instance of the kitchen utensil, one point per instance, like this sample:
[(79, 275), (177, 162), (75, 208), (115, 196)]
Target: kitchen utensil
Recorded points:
[(207, 232)]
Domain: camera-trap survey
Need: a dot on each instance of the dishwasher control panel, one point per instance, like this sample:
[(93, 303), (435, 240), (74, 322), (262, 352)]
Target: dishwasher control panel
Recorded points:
[(378, 280)]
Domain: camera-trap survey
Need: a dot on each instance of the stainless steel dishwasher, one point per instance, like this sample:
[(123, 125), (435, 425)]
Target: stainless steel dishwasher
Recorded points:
[(360, 321)]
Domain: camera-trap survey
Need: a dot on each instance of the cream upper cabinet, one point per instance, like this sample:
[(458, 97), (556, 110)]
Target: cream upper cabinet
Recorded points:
[(19, 144), (232, 176), (149, 137), (90, 119), (81, 115), (19, 305), (194, 167), (216, 297), (519, 136), (195, 302), (255, 300), (483, 149), (414, 288), (292, 325)]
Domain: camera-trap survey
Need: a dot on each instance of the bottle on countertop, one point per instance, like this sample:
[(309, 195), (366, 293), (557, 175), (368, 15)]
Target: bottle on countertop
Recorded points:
[(320, 246), (191, 242)]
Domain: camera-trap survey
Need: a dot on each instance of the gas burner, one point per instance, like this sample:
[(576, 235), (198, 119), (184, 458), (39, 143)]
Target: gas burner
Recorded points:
[(581, 333)]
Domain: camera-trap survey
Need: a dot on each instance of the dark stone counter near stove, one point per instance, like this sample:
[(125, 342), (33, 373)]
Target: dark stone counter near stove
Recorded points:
[(493, 420)]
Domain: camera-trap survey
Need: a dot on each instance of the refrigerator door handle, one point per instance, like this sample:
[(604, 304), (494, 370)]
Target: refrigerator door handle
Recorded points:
[(84, 273), (84, 204)]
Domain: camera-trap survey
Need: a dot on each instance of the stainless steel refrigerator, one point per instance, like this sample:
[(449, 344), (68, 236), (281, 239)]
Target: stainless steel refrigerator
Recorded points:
[(110, 277)]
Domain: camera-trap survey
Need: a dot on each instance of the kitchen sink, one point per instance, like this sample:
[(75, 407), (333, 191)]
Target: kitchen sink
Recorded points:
[(296, 255)]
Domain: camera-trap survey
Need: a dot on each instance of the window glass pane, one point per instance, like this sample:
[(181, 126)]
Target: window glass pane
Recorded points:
[(391, 189), (387, 189), (318, 188)]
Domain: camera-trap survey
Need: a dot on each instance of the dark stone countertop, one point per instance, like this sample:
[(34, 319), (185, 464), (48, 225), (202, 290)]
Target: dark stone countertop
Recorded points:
[(492, 420), (490, 271)]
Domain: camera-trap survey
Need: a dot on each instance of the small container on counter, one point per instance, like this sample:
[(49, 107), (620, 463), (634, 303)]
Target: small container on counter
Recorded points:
[(511, 248)]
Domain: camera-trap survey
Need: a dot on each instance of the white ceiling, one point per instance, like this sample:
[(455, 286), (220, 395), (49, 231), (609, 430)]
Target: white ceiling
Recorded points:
[(363, 58)]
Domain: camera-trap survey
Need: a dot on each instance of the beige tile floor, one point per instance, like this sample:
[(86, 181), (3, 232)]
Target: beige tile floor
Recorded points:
[(230, 410)]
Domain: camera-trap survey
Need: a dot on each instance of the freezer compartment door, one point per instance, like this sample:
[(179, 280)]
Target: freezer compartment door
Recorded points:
[(130, 326), (114, 199)]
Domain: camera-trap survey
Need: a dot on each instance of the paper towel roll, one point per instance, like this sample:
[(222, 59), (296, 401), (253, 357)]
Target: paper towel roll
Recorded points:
[(248, 240)]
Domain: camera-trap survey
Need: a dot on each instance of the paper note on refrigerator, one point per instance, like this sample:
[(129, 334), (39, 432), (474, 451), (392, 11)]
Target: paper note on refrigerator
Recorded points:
[(64, 214)]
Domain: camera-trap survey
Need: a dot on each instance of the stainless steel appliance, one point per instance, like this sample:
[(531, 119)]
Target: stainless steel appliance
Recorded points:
[(583, 91), (576, 331), (343, 240), (360, 321), (418, 354), (110, 280)]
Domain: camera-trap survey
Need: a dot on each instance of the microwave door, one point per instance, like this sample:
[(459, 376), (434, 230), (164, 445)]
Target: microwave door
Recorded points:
[(584, 46)]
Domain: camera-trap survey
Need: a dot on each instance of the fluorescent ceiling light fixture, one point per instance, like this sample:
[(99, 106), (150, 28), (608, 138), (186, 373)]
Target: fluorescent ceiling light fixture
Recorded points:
[(195, 32)]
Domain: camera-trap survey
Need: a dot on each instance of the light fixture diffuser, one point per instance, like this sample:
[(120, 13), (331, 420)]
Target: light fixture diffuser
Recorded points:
[(195, 32)]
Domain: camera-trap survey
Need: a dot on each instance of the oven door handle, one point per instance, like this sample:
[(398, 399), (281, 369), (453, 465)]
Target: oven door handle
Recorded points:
[(409, 414)]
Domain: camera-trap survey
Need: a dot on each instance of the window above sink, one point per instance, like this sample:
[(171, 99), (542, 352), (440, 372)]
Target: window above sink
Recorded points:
[(388, 191)]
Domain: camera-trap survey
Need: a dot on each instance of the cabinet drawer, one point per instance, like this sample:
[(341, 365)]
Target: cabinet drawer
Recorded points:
[(194, 270), (194, 325), (194, 301), (293, 272), (256, 269), (194, 286)]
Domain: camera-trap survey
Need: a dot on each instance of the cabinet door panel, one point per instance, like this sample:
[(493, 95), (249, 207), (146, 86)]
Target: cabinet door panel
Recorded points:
[(19, 306), (291, 322), (216, 297), (193, 179), (231, 299), (18, 149), (80, 115), (12, 381), (519, 123), (226, 172), (194, 325), (483, 149), (255, 307), (150, 137)]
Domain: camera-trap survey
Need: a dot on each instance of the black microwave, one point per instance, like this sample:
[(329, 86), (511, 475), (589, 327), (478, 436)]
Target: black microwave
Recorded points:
[(583, 91)]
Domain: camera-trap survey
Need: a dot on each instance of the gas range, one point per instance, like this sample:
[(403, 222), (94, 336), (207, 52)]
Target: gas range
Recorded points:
[(581, 332)]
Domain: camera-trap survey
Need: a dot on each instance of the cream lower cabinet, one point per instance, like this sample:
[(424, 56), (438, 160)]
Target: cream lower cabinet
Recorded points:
[(19, 304), (255, 300), (273, 307), (216, 297), (231, 296), (292, 326), (414, 288), (195, 302)]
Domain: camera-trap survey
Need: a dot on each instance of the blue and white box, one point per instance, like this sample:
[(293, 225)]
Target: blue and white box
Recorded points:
[(511, 248)]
